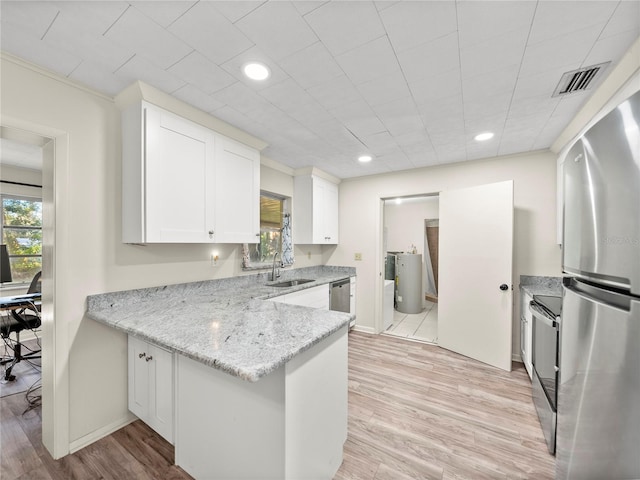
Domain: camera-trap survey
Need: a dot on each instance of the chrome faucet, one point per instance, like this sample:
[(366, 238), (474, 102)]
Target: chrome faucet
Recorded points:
[(275, 273)]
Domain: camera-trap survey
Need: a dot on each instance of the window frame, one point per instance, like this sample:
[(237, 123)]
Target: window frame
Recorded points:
[(247, 263), (28, 198)]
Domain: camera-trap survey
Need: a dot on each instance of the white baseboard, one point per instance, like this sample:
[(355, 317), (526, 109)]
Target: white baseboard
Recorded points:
[(360, 328), (96, 435)]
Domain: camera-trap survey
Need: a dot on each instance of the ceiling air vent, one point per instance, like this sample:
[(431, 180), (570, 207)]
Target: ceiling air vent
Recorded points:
[(579, 80)]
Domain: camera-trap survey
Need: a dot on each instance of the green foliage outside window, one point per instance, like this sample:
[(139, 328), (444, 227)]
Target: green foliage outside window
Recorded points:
[(22, 233)]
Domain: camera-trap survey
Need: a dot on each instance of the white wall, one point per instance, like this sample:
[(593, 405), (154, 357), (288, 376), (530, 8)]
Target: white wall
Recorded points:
[(89, 254), (404, 222), (535, 250)]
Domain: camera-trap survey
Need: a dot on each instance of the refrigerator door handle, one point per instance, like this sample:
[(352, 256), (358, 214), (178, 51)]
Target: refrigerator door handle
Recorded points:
[(602, 296)]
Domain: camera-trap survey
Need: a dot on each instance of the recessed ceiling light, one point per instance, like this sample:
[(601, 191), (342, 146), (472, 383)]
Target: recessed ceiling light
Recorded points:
[(364, 158), (481, 137), (256, 71)]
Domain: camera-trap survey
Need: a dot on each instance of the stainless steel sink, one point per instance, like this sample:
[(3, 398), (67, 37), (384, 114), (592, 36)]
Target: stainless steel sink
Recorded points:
[(290, 283)]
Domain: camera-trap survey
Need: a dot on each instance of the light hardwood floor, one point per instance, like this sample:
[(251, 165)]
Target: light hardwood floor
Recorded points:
[(416, 411)]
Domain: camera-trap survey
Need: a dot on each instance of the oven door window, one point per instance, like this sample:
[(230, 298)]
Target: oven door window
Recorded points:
[(545, 355)]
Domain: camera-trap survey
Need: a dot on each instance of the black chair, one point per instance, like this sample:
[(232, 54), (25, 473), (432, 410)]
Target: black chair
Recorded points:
[(27, 318)]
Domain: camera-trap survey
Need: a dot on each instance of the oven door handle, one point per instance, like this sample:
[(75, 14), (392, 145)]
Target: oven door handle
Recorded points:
[(539, 314)]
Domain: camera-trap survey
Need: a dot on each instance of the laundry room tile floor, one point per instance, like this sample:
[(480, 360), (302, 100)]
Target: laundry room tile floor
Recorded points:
[(421, 326)]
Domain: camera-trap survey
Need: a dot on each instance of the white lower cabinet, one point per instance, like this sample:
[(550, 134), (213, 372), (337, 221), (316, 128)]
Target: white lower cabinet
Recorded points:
[(314, 297), (289, 425), (526, 331), (151, 379)]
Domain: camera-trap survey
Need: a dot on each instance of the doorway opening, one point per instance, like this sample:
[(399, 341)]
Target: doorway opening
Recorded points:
[(27, 178), (410, 250)]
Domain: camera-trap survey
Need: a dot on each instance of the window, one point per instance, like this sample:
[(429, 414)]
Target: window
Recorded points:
[(22, 233), (273, 208)]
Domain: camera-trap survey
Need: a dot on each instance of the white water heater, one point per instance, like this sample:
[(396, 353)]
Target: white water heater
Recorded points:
[(409, 280)]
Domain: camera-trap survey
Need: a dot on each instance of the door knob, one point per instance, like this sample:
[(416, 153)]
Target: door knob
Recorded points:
[(504, 287)]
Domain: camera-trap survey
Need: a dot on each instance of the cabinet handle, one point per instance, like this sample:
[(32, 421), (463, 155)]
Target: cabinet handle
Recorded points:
[(149, 358), (210, 233), (257, 234), (142, 355)]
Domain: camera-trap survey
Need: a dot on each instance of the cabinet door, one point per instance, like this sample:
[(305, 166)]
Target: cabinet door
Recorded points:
[(331, 213), (314, 297), (138, 380), (151, 386), (237, 192), (161, 392), (179, 178), (325, 211)]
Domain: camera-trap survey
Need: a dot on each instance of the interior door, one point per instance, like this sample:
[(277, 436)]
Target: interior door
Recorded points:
[(475, 276)]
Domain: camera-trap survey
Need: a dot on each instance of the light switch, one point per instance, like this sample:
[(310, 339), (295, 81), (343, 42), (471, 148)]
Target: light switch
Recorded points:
[(358, 256)]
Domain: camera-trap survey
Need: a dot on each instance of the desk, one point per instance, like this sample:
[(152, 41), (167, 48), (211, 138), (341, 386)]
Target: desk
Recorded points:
[(20, 301)]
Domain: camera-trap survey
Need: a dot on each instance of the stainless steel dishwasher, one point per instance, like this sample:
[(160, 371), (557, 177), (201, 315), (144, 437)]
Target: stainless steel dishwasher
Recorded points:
[(340, 295)]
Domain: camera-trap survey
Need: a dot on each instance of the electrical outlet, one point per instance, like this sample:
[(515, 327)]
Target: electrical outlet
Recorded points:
[(358, 256)]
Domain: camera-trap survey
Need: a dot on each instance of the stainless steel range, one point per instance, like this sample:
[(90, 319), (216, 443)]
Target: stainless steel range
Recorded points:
[(546, 312)]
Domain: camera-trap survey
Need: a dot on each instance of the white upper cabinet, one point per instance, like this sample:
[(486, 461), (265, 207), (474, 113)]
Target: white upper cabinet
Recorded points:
[(237, 192), (315, 214), (183, 183)]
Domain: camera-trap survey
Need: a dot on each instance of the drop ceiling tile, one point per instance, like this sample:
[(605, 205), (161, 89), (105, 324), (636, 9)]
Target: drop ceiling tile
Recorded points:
[(482, 21), (385, 89), (23, 44), (206, 30), (133, 30), (498, 82), (488, 123), (278, 29), (409, 24), (138, 68), (380, 143), (311, 66), (431, 58), (99, 78), (384, 4), (241, 98), (610, 48), (68, 34), (555, 19), (533, 106), (369, 61), (541, 84), (234, 10), (497, 53), (442, 85), (254, 54), (408, 140), (485, 107), (335, 92), (197, 98), (343, 26), (295, 101), (625, 18), (197, 70), (162, 12), (442, 107), (307, 6), (558, 51), (90, 17), (30, 18)]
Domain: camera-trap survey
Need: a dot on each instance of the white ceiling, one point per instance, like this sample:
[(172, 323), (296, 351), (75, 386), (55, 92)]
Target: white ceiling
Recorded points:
[(20, 154), (409, 82)]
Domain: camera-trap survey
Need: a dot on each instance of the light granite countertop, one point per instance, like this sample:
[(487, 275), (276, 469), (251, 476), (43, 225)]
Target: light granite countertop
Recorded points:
[(225, 323), (540, 285)]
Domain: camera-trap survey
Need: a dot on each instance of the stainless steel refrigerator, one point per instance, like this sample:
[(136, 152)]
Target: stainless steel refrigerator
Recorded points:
[(598, 426)]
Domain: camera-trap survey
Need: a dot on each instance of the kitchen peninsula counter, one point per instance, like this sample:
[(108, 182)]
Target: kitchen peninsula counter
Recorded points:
[(254, 378)]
